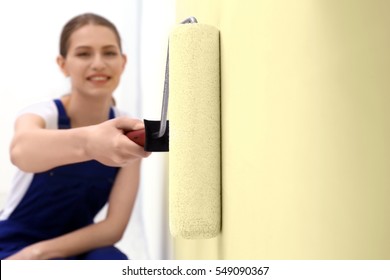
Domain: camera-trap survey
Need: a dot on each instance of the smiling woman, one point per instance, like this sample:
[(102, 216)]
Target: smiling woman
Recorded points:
[(86, 158), (93, 55), (92, 58)]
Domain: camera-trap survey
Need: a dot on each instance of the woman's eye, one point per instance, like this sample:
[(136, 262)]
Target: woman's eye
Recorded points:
[(83, 54), (111, 53)]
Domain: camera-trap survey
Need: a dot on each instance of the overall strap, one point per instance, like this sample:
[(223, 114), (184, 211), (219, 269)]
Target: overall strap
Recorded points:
[(111, 115), (63, 120)]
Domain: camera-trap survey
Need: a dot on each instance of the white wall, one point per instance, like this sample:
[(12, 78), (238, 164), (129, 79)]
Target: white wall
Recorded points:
[(29, 45)]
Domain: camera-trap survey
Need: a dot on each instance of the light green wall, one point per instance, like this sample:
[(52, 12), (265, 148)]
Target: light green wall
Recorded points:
[(305, 129)]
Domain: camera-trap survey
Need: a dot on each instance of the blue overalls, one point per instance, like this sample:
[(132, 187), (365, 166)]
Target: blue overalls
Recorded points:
[(59, 201)]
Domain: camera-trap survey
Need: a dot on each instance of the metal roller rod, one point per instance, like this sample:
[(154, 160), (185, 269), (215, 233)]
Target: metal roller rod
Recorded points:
[(164, 109)]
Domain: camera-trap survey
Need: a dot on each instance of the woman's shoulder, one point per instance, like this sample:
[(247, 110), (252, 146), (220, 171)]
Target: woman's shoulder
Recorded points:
[(46, 109), (39, 107)]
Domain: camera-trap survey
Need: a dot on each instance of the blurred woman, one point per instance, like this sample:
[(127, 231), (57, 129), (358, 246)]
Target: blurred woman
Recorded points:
[(73, 157)]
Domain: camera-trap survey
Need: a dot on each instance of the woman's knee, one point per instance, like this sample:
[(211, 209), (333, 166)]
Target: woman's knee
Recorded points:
[(105, 253)]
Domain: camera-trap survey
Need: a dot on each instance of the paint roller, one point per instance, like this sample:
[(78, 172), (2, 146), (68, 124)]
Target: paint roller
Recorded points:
[(192, 79)]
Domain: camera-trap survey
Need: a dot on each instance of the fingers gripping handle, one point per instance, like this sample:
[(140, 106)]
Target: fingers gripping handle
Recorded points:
[(137, 136), (147, 137)]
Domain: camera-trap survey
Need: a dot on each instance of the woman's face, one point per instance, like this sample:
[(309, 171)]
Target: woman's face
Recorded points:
[(94, 62)]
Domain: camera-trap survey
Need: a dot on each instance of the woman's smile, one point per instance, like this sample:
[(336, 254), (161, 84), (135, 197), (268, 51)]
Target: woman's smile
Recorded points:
[(98, 79)]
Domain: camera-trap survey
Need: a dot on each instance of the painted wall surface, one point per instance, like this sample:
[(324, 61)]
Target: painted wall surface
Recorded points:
[(305, 129)]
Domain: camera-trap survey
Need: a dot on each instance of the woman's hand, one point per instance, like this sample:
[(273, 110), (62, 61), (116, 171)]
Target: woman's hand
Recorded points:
[(105, 142), (108, 144), (32, 252)]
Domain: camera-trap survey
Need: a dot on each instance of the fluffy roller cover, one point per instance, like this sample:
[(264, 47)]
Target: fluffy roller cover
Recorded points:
[(195, 141)]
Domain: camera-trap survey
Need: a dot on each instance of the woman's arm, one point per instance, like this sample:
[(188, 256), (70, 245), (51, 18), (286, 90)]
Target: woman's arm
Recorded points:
[(104, 233), (36, 149)]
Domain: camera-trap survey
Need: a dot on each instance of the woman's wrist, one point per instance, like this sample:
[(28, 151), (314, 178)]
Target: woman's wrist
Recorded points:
[(43, 251)]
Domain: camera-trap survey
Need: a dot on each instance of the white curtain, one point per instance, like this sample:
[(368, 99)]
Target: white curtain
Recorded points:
[(155, 19)]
